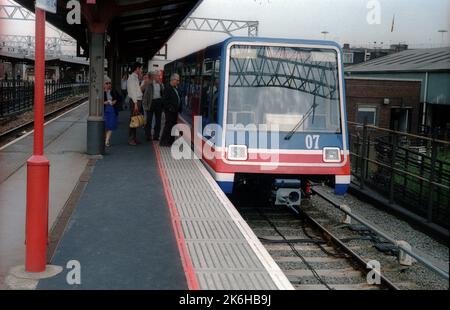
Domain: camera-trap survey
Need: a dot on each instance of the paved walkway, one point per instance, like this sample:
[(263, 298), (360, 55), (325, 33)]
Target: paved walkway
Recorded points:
[(121, 230), (146, 221)]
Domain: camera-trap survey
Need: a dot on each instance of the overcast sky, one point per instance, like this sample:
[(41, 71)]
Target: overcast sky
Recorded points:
[(416, 22), (13, 27)]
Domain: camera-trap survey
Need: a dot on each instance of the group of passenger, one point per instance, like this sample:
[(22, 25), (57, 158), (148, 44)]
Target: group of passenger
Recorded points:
[(146, 95)]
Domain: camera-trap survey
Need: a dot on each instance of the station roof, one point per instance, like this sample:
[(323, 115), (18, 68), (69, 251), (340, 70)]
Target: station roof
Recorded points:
[(141, 26), (25, 58), (419, 60)]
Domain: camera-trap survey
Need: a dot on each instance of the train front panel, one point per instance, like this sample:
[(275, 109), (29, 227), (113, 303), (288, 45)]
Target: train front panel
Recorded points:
[(281, 111)]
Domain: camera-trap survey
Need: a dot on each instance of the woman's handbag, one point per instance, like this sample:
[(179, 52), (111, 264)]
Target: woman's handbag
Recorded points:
[(137, 121)]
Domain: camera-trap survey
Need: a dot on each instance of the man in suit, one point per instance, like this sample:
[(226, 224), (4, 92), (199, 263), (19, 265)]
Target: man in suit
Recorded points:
[(156, 105), (171, 105)]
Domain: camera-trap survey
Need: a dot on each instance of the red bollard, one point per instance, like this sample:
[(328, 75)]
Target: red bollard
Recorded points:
[(37, 213), (38, 166)]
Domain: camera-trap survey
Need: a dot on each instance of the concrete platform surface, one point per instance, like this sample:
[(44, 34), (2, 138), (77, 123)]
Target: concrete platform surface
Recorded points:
[(65, 147)]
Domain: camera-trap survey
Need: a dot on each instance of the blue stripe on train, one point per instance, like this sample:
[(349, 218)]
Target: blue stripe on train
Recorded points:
[(340, 189), (226, 187)]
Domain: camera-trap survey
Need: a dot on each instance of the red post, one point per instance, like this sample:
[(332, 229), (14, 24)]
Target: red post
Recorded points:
[(38, 166)]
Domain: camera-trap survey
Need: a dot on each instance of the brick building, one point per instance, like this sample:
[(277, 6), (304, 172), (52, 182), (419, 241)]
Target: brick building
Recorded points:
[(429, 68), (386, 103)]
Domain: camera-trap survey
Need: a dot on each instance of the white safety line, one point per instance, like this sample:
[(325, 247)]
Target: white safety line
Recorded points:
[(278, 277), (45, 124)]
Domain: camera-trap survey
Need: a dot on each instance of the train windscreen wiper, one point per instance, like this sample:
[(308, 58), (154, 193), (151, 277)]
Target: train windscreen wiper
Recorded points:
[(311, 111)]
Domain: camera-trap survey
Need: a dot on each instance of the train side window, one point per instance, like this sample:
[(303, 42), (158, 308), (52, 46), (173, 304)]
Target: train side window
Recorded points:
[(206, 98), (215, 91), (210, 92), (214, 99)]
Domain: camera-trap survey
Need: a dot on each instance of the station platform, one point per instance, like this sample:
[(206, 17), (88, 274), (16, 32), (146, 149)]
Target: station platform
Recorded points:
[(148, 221), (65, 147)]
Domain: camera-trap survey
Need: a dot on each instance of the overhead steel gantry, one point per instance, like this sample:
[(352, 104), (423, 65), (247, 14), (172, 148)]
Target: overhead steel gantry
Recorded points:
[(204, 24), (219, 25), (26, 43), (15, 12)]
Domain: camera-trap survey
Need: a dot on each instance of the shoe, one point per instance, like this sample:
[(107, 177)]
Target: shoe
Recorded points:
[(107, 144), (132, 142)]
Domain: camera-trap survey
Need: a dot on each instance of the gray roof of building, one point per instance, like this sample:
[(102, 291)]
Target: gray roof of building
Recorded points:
[(419, 60)]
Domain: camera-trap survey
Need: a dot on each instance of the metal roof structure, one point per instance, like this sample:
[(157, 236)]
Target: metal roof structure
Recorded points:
[(141, 26), (29, 58), (418, 60)]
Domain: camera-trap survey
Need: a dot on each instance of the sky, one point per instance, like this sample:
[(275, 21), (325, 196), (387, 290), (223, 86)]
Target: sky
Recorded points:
[(26, 28), (416, 22)]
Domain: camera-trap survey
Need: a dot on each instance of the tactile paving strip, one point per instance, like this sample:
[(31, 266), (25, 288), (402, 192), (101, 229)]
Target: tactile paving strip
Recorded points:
[(224, 251)]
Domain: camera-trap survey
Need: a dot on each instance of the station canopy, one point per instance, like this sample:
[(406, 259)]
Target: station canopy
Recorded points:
[(141, 27)]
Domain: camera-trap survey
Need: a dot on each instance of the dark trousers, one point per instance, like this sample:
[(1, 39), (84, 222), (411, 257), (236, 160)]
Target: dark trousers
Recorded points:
[(155, 110), (132, 131), (124, 99), (171, 120)]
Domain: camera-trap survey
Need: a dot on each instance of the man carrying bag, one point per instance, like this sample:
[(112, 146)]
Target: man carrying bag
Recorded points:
[(135, 95)]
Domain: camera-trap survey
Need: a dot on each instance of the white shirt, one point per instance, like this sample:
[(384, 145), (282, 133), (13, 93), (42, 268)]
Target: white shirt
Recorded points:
[(134, 91), (156, 90)]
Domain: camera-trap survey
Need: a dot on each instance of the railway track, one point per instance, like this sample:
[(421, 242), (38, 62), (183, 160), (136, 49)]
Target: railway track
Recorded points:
[(311, 256), (308, 254), (25, 127)]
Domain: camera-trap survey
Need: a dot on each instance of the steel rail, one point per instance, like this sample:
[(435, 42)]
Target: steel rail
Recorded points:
[(380, 233), (361, 262), (11, 131)]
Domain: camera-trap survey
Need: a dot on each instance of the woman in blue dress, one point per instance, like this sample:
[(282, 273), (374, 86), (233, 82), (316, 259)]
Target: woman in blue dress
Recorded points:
[(110, 115)]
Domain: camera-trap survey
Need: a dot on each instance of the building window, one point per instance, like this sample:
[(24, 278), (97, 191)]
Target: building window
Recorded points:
[(348, 58), (367, 112)]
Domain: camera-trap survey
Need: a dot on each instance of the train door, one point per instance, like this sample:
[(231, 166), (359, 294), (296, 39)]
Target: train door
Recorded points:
[(206, 86), (210, 92)]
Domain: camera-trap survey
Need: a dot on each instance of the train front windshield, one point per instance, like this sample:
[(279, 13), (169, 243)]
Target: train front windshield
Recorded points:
[(284, 87)]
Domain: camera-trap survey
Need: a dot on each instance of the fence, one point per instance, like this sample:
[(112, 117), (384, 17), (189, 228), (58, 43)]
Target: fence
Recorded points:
[(410, 170), (18, 96)]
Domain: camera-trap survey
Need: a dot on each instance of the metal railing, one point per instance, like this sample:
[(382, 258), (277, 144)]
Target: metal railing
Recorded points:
[(409, 170), (18, 96)]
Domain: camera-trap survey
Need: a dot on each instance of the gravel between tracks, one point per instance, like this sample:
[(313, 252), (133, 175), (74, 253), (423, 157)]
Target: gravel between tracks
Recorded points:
[(417, 274)]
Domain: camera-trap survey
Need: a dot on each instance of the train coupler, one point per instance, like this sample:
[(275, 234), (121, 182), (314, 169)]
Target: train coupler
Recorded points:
[(286, 192)]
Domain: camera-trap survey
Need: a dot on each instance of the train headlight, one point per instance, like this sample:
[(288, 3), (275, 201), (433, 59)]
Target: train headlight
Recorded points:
[(331, 154), (237, 152)]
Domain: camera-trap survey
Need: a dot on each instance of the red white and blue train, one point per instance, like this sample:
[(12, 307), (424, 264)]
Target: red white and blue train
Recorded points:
[(272, 111)]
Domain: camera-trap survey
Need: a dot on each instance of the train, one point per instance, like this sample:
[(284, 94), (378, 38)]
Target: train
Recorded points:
[(267, 111)]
